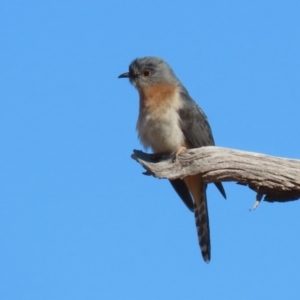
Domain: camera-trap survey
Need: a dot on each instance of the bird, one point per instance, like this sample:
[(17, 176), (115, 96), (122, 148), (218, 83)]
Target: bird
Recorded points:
[(170, 122)]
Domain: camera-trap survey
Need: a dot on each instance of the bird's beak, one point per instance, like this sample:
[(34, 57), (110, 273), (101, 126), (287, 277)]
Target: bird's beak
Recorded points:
[(124, 75)]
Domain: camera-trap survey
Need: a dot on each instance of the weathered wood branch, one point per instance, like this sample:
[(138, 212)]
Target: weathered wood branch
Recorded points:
[(275, 178)]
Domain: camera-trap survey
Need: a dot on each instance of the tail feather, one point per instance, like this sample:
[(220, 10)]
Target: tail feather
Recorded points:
[(198, 191), (202, 224)]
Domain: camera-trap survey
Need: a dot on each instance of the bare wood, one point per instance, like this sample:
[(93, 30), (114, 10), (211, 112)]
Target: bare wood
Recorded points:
[(278, 179)]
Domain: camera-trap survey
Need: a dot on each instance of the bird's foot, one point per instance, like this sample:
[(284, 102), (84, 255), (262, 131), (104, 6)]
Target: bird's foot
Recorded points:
[(178, 153)]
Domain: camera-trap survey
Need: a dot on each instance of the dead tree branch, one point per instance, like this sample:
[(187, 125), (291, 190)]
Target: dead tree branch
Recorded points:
[(274, 178)]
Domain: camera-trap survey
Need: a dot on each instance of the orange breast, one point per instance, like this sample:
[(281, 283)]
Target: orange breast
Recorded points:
[(157, 96)]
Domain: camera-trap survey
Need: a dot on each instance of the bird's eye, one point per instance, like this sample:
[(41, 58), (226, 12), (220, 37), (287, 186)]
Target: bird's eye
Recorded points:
[(146, 73)]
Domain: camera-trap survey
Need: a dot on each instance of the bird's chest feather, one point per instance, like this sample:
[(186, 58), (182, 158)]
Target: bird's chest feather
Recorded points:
[(158, 123)]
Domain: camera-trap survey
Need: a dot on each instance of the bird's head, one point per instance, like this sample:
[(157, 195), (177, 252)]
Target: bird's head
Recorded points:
[(148, 71)]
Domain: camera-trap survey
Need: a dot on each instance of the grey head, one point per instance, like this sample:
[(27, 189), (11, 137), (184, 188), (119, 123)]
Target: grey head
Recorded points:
[(147, 71)]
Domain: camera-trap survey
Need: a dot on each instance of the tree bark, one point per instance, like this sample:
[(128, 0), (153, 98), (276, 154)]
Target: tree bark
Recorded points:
[(274, 178)]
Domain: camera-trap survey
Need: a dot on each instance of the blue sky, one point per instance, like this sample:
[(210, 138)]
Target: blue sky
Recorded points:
[(78, 220)]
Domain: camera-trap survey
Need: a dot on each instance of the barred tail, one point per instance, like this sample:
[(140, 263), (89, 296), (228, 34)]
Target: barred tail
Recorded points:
[(198, 191), (202, 224)]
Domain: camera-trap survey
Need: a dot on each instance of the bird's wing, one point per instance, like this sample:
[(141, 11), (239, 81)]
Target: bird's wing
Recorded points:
[(194, 124), (183, 192), (196, 129)]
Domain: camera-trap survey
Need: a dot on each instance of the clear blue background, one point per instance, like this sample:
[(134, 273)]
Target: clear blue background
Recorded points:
[(78, 220)]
